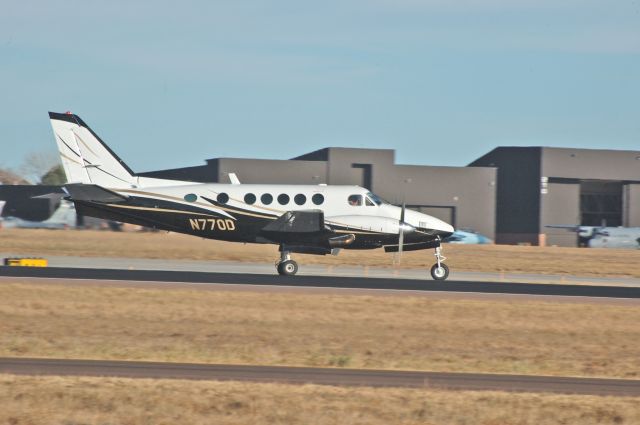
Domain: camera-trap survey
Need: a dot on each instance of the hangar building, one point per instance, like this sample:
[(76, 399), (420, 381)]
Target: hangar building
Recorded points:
[(540, 186), (510, 194), (462, 196)]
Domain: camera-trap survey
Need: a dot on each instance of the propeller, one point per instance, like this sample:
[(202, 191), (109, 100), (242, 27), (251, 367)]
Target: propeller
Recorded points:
[(401, 225)]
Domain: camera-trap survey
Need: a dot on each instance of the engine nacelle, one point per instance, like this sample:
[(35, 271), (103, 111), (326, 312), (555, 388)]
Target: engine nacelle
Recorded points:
[(368, 223)]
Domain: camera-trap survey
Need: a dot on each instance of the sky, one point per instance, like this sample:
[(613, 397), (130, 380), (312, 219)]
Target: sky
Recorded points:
[(169, 84)]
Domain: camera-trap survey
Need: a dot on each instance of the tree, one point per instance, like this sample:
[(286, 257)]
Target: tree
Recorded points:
[(36, 164), (54, 177)]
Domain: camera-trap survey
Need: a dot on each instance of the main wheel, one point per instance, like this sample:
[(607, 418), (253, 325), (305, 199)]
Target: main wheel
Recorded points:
[(439, 273), (288, 268)]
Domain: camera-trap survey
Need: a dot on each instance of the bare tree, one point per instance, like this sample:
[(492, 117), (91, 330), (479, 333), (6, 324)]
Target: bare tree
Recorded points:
[(37, 164)]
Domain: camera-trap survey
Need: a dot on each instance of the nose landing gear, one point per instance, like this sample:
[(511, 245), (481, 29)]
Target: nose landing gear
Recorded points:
[(439, 271), (286, 266)]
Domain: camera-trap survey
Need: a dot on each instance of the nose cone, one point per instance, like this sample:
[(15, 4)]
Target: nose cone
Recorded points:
[(443, 229), (430, 224)]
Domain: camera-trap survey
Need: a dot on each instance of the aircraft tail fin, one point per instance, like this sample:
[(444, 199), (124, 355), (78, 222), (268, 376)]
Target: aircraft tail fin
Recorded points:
[(85, 157)]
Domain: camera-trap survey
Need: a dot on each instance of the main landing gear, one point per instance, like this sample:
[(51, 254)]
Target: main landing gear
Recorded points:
[(439, 271), (286, 266)]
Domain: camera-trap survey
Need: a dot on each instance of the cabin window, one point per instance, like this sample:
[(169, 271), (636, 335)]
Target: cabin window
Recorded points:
[(318, 198), (191, 197), (222, 198), (250, 198), (283, 199), (300, 199), (355, 200), (266, 198)]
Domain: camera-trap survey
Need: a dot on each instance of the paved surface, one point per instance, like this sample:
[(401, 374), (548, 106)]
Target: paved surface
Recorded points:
[(321, 270), (321, 376), (323, 282)]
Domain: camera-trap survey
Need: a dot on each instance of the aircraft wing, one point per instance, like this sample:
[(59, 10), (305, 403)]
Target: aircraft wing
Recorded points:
[(300, 222), (412, 246), (582, 231), (305, 229), (570, 227), (93, 193)]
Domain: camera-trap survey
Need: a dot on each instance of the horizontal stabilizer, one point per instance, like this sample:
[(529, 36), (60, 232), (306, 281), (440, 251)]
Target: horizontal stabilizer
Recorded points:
[(412, 246), (93, 193), (54, 196)]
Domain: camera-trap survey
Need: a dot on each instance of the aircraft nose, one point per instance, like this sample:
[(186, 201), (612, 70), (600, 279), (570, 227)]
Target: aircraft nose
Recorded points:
[(435, 226), (444, 230)]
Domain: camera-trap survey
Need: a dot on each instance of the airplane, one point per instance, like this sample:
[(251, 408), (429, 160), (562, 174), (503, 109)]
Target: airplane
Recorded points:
[(63, 217), (310, 219), (604, 237), (467, 236)]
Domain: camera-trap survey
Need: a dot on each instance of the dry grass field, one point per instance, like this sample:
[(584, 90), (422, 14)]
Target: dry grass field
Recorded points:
[(484, 258), (358, 331), (70, 400)]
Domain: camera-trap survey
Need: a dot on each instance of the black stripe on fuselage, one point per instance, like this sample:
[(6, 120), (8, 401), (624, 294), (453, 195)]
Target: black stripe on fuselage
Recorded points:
[(176, 217)]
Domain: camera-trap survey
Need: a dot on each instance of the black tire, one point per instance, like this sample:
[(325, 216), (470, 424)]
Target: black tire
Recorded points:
[(287, 268), (440, 274)]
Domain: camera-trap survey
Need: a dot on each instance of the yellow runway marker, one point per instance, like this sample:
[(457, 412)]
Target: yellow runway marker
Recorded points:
[(26, 262)]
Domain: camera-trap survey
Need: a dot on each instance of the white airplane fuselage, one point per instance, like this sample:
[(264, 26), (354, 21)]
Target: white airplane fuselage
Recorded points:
[(236, 212)]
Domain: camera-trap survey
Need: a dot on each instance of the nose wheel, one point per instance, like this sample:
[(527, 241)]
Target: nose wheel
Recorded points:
[(439, 271), (286, 266)]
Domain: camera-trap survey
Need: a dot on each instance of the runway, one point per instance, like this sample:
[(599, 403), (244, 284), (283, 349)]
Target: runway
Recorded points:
[(321, 376), (302, 281)]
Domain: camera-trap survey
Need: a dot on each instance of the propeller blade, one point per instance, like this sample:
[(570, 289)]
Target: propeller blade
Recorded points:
[(401, 233)]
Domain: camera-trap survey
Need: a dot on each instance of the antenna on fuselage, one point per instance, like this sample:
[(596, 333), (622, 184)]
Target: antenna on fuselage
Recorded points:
[(233, 178)]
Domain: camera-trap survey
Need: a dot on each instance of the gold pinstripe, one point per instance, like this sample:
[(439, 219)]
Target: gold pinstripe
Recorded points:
[(202, 204), (85, 145), (131, 207)]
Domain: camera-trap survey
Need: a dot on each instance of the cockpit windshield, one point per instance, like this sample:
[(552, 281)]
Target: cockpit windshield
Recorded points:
[(375, 198)]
